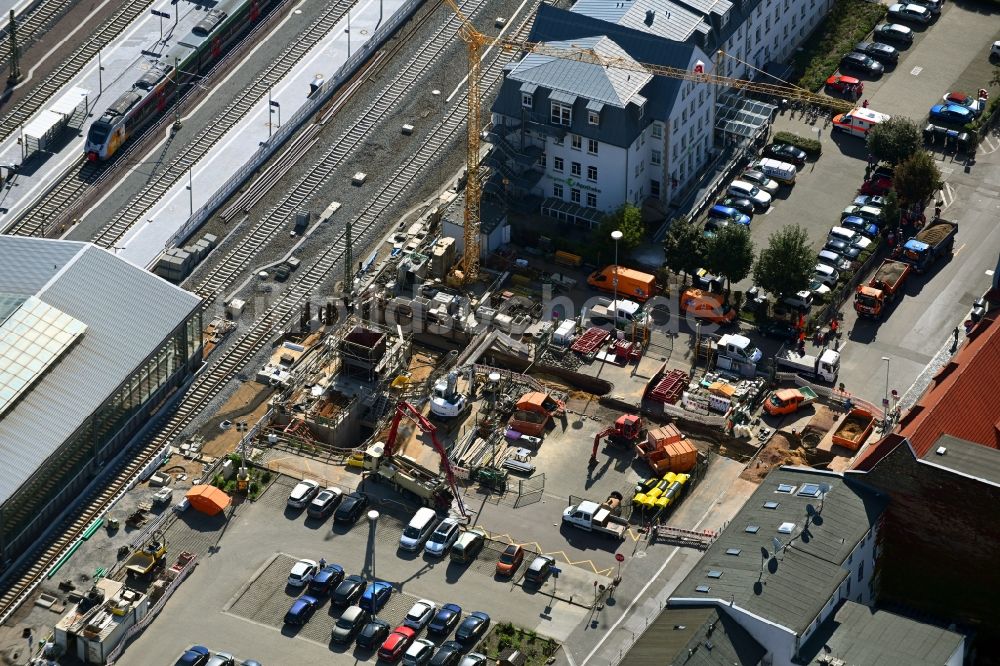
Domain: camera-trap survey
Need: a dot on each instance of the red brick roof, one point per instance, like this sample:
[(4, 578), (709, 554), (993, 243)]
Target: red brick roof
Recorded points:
[(964, 398)]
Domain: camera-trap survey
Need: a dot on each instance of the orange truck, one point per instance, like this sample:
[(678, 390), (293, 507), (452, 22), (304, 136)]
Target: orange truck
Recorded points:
[(788, 401), (632, 284), (874, 298), (706, 306)]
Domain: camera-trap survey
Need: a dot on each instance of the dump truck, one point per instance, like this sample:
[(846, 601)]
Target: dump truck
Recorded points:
[(632, 284), (789, 400), (873, 299), (826, 366), (152, 553), (933, 241), (598, 518)]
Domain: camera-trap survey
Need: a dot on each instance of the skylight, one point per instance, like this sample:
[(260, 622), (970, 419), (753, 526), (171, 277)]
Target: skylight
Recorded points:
[(714, 573), (786, 528), (734, 551), (786, 488), (753, 529), (770, 505), (703, 589), (809, 490)]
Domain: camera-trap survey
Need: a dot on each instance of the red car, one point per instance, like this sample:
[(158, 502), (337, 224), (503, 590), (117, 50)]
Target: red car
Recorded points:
[(396, 643), (510, 560), (845, 85), (877, 184)]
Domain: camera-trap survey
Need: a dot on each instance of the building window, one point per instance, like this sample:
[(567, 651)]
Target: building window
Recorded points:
[(541, 160), (636, 171), (577, 142), (592, 146), (557, 141), (861, 571), (561, 114), (848, 587), (642, 110), (591, 173), (657, 131), (557, 191), (593, 117), (591, 200), (655, 157), (574, 169), (574, 195), (654, 189), (526, 100), (557, 163)]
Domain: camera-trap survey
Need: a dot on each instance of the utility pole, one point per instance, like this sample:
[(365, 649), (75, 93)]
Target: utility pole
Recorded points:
[(15, 58)]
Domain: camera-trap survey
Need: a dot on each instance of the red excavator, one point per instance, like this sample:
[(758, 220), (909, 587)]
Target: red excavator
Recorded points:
[(627, 431)]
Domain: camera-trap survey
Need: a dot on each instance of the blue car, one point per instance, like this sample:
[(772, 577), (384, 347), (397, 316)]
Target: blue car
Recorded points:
[(951, 113), (301, 610), (445, 619), (196, 655), (718, 212), (861, 225), (375, 597), (327, 579)]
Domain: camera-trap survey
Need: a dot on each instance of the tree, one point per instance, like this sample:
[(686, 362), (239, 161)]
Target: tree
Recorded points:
[(916, 178), (628, 220), (730, 253), (891, 213), (684, 246), (786, 265), (894, 140)]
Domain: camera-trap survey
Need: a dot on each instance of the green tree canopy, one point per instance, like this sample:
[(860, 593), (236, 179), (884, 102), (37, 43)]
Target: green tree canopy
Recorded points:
[(684, 246), (786, 265), (916, 178), (894, 140), (730, 253), (628, 220)]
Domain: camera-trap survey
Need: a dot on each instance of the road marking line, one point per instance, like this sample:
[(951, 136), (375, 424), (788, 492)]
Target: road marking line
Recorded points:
[(960, 248)]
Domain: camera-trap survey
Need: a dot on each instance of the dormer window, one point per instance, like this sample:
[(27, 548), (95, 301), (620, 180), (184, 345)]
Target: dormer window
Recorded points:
[(724, 19), (593, 117), (527, 101)]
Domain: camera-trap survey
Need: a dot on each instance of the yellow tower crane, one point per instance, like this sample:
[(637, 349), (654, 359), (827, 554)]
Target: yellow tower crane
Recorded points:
[(475, 41)]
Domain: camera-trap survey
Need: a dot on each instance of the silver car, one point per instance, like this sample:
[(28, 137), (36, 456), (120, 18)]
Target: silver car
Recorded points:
[(444, 536)]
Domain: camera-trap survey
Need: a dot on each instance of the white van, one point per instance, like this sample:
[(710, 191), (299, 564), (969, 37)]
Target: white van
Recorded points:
[(850, 237), (858, 121), (783, 172), (421, 525)]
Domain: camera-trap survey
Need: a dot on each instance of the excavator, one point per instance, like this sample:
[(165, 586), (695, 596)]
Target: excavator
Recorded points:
[(626, 431)]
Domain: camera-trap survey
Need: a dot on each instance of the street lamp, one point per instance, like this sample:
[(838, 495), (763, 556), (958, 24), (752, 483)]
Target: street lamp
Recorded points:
[(372, 521), (885, 401), (617, 236)]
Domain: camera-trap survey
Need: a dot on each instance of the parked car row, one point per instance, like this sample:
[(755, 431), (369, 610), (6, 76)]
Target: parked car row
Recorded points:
[(320, 503), (753, 191), (199, 655)]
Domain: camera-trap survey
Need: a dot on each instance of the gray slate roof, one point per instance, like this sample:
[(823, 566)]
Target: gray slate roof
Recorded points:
[(610, 85), (128, 313), (967, 458), (792, 588), (694, 636), (860, 635)]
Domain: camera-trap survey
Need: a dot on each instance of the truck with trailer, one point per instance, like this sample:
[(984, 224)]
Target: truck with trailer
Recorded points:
[(874, 298), (932, 242), (599, 518), (632, 284), (826, 366)]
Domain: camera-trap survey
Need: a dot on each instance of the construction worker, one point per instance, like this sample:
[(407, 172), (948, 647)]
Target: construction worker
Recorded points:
[(834, 324)]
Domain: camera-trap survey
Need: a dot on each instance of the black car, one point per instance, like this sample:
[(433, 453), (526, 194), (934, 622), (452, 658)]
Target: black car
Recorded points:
[(745, 206), (786, 153), (781, 330), (473, 627), (351, 508), (348, 591), (845, 250), (885, 54), (448, 654), (373, 633), (859, 62), (894, 33)]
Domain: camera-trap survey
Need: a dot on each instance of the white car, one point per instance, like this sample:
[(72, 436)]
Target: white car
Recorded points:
[(419, 653), (420, 614), (302, 572), (828, 275), (910, 12), (802, 300), (741, 188), (303, 493)]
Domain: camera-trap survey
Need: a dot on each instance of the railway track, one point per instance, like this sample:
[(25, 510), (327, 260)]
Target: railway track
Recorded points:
[(82, 177), (72, 65), (214, 130), (237, 260), (219, 373)]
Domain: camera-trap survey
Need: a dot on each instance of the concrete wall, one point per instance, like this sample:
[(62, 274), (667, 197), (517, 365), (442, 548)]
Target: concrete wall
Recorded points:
[(941, 538)]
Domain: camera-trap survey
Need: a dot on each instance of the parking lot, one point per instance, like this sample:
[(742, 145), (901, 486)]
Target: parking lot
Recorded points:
[(236, 599)]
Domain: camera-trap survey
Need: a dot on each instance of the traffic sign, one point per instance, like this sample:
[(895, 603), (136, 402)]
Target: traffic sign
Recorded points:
[(619, 557), (154, 12)]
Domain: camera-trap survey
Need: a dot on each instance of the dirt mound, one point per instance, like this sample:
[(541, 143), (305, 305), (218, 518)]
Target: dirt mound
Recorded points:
[(781, 449)]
